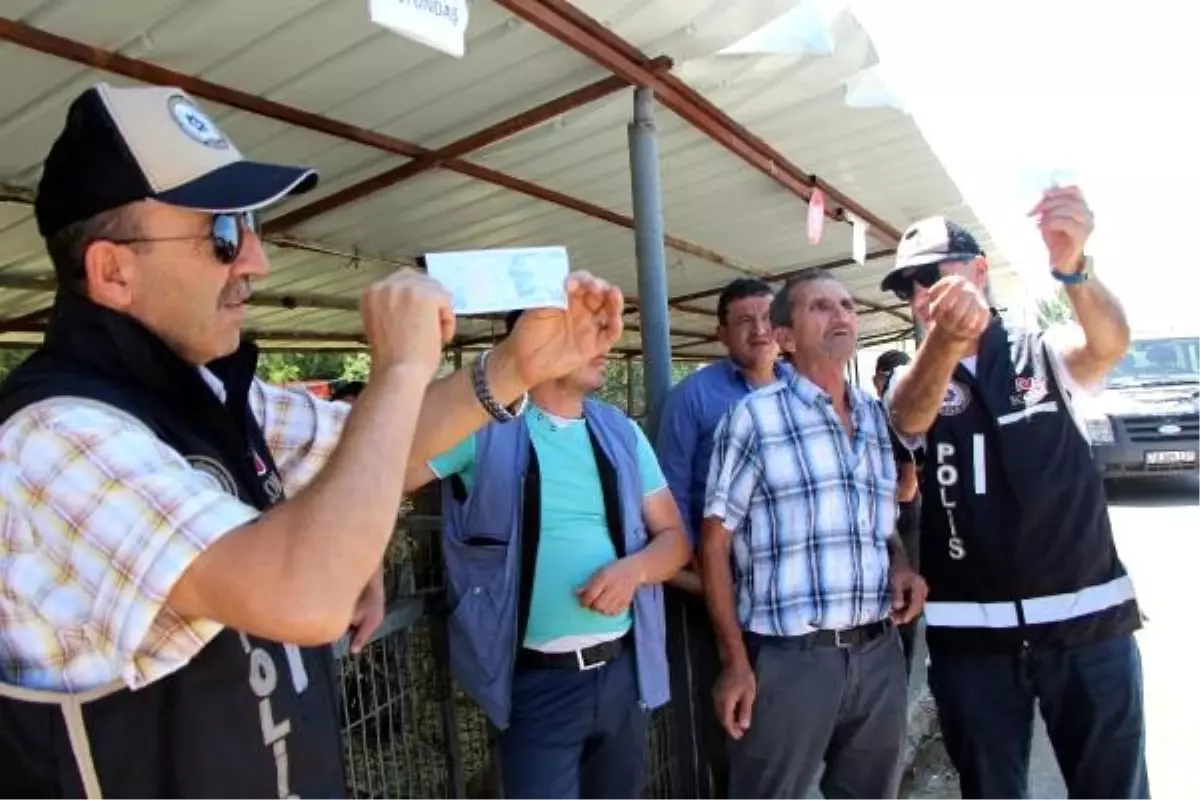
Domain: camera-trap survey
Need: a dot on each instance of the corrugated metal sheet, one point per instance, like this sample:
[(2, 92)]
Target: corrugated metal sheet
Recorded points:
[(325, 57)]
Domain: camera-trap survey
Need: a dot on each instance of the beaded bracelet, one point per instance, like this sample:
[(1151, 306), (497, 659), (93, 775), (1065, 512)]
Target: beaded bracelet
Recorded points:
[(483, 393)]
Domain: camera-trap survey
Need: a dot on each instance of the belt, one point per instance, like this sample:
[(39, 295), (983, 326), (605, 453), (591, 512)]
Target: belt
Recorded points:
[(848, 637), (588, 658)]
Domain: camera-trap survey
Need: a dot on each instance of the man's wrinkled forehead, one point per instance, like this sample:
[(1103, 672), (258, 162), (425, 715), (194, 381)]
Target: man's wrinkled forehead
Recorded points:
[(826, 287)]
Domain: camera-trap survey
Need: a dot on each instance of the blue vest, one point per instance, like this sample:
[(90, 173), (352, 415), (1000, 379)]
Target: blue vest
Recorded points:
[(482, 545)]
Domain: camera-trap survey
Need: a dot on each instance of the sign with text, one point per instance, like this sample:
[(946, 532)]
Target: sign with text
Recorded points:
[(440, 24), (488, 281)]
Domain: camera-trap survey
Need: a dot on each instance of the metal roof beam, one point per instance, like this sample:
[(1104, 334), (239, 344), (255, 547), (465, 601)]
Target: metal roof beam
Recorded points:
[(99, 58), (866, 341), (18, 323), (568, 24), (464, 146), (683, 303), (250, 335), (830, 266), (486, 338), (287, 300)]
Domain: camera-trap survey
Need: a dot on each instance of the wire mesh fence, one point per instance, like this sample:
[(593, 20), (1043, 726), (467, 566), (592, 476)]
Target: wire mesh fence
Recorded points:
[(407, 731)]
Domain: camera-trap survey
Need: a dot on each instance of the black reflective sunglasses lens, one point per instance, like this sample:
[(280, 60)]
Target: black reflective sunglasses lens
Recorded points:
[(227, 235), (926, 275)]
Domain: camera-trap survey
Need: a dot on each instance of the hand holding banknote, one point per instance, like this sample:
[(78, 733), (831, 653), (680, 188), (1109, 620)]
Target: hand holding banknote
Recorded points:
[(548, 343), (569, 317)]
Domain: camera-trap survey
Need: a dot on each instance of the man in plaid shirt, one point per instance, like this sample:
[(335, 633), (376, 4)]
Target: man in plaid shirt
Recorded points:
[(178, 540), (802, 489)]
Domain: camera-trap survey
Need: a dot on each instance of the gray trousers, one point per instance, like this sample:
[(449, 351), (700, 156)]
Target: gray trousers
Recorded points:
[(817, 705)]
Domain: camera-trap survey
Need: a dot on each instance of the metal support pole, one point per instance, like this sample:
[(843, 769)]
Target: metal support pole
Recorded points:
[(651, 257)]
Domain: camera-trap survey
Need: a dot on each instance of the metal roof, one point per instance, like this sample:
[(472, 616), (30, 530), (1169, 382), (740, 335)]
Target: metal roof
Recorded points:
[(314, 82)]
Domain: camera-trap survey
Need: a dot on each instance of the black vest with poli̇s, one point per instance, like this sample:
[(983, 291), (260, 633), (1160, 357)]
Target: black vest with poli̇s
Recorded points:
[(1016, 543), (246, 717)]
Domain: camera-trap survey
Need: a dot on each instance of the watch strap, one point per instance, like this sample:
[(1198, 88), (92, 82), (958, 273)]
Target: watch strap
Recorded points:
[(1081, 274)]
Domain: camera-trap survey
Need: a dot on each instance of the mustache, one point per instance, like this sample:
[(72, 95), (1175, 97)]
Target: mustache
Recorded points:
[(236, 292)]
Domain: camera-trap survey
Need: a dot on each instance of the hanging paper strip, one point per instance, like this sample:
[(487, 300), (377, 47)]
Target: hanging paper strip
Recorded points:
[(816, 216)]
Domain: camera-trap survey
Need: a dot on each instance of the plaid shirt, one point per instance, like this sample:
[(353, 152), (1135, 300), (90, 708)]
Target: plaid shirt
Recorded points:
[(809, 509), (99, 519)]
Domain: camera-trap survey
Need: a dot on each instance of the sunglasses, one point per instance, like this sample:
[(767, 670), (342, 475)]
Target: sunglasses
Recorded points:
[(227, 235), (928, 274)]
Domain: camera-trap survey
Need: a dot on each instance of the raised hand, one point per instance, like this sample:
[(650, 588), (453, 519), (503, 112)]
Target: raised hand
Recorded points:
[(547, 343), (1065, 222), (957, 308), (408, 319)]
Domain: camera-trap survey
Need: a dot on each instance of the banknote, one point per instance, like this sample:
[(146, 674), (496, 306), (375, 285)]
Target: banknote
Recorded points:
[(487, 281), (1035, 179)]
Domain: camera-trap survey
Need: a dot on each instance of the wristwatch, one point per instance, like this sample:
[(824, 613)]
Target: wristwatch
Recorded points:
[(1083, 271)]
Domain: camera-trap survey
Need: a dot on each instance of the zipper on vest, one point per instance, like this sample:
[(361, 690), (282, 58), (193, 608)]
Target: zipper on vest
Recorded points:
[(1020, 605)]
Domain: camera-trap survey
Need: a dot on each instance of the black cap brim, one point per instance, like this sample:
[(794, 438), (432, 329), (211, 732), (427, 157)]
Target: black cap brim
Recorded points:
[(240, 186), (897, 273)]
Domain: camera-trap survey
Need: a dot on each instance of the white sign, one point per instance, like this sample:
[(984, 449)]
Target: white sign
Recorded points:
[(440, 24), (859, 233), (487, 281)]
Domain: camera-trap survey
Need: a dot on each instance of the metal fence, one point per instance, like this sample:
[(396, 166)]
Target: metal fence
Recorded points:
[(407, 731)]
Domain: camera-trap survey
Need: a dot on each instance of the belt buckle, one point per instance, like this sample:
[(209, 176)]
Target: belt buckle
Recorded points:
[(583, 665), (838, 641)]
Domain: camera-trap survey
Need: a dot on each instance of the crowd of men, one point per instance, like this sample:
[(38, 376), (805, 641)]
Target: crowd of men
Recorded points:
[(180, 541)]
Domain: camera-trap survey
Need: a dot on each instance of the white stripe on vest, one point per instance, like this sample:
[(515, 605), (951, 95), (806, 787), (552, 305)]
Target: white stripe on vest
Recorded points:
[(1038, 610)]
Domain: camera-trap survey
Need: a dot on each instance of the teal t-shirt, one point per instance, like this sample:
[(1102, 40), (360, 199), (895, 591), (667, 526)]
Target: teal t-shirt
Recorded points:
[(574, 544)]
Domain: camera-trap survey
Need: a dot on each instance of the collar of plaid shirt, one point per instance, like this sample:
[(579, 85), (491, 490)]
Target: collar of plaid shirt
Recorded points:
[(811, 394)]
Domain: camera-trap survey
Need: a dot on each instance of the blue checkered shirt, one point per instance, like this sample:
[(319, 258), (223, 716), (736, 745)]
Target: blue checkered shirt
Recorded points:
[(810, 509)]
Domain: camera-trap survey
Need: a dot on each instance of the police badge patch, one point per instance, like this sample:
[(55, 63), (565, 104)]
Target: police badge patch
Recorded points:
[(957, 398), (216, 472), (1029, 390), (195, 123)]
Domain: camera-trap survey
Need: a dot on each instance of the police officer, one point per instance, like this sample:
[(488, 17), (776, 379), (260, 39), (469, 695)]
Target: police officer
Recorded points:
[(179, 541), (1028, 599)]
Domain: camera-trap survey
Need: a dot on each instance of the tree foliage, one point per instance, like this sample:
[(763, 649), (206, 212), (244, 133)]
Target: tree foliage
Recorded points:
[(1054, 309), (623, 385), (10, 359), (286, 367)]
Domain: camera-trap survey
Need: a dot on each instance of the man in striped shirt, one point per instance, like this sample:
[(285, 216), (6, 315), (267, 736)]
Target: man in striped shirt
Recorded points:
[(802, 490)]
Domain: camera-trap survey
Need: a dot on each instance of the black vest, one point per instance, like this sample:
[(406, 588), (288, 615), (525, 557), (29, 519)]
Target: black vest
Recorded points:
[(1016, 542), (246, 717)]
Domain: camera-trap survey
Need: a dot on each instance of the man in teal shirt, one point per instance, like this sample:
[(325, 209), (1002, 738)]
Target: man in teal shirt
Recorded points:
[(576, 730)]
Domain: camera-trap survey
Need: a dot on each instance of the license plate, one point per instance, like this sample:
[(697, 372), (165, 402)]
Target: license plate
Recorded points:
[(1171, 457)]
